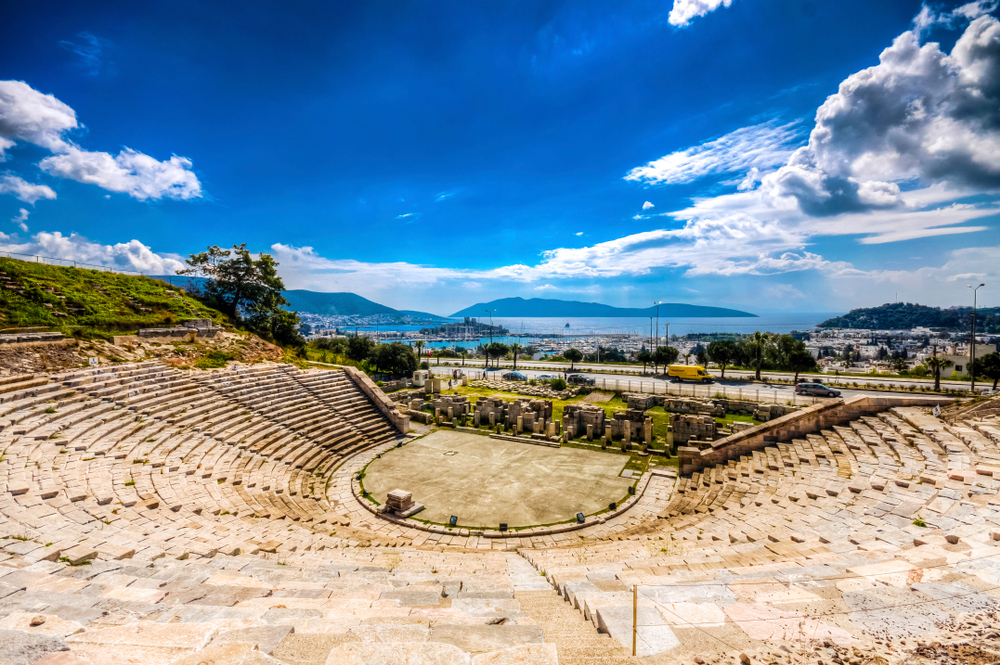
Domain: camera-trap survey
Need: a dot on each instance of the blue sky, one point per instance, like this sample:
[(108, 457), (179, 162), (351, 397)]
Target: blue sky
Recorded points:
[(769, 155)]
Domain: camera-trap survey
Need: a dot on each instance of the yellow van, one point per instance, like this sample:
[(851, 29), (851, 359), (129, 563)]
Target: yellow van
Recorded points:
[(689, 373)]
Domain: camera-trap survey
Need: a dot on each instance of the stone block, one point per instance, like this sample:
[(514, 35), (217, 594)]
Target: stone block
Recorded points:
[(21, 648), (528, 654), (480, 639), (397, 654)]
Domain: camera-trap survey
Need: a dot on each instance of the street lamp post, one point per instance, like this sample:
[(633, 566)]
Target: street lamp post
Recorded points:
[(972, 340), (658, 303), (491, 335)]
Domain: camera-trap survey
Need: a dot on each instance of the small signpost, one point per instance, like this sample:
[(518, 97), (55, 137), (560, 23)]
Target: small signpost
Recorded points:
[(93, 361)]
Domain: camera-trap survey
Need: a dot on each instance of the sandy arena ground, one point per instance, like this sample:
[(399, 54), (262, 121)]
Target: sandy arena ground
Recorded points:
[(485, 481)]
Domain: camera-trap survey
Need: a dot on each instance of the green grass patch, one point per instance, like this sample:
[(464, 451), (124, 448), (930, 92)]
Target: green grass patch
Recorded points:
[(214, 360), (90, 304)]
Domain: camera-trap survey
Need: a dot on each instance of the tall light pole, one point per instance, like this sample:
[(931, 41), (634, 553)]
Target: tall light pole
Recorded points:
[(972, 341), (658, 303), (491, 335)]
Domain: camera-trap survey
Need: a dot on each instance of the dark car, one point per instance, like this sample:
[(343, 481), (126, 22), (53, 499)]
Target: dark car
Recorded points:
[(816, 389), (580, 380), (514, 376)]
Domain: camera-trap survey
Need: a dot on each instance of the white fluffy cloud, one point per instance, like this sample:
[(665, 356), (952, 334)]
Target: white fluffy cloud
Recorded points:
[(21, 220), (920, 115), (647, 205), (684, 11), (131, 255), (28, 115), (761, 146), (131, 172), (24, 190)]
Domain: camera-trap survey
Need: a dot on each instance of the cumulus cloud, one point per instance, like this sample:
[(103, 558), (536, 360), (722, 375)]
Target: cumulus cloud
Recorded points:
[(920, 115), (20, 219), (684, 11), (647, 205), (130, 172), (131, 255), (760, 146), (31, 116), (24, 190)]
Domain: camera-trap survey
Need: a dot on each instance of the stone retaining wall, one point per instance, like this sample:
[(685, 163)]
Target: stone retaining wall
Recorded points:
[(809, 420), (379, 399)]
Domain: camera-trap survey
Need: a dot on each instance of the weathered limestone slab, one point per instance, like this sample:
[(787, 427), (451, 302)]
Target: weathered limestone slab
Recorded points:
[(480, 639), (654, 636), (397, 654), (529, 654)]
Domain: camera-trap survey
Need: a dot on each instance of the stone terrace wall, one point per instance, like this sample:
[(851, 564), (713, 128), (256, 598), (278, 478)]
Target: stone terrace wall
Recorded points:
[(379, 399), (791, 426)]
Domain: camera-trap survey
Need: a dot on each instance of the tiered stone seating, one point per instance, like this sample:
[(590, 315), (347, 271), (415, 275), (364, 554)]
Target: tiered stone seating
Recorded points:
[(886, 528), (156, 515), (351, 606)]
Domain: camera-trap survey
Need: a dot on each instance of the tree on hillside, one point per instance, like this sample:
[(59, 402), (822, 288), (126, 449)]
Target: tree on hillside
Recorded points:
[(989, 366), (247, 290), (936, 364), (573, 356), (722, 354), (644, 357), (515, 349)]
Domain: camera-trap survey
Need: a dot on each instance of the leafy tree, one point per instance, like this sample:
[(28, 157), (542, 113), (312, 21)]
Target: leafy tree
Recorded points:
[(665, 355), (645, 357), (800, 360), (396, 359), (359, 348), (334, 344), (573, 356), (722, 354), (936, 364), (988, 366), (701, 358), (247, 290), (757, 346), (898, 364), (462, 351), (497, 350)]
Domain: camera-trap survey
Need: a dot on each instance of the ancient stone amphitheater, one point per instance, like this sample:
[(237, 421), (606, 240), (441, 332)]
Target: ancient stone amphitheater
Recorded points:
[(153, 515)]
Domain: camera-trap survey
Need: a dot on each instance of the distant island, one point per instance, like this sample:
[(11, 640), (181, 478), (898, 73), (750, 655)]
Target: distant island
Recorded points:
[(540, 307), (904, 316), (337, 309)]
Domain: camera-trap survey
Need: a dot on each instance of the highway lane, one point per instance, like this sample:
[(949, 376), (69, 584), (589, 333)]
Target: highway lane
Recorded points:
[(766, 392), (636, 370)]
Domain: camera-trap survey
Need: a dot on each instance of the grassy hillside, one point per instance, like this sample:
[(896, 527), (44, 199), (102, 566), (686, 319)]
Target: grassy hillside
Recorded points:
[(68, 299)]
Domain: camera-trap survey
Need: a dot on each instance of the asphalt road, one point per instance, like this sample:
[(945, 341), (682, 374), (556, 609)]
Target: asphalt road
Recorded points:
[(828, 379), (767, 392)]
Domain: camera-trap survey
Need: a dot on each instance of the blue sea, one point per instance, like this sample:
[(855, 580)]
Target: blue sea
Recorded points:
[(578, 327)]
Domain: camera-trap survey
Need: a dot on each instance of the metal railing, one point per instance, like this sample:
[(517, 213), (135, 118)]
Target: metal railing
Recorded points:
[(52, 261)]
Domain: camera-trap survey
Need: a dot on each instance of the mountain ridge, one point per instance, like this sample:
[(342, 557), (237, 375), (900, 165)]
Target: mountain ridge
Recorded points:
[(322, 303), (543, 307), (904, 316)]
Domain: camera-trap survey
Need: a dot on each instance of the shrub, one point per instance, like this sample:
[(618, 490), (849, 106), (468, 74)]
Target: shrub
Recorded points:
[(425, 365), (558, 384), (214, 359)]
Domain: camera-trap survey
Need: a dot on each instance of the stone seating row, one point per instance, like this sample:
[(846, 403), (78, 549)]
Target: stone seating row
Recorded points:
[(120, 450), (888, 526), (372, 606)]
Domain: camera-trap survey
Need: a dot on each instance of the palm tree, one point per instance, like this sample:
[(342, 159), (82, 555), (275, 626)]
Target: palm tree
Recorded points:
[(515, 347), (420, 346), (462, 351), (687, 358), (936, 364)]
